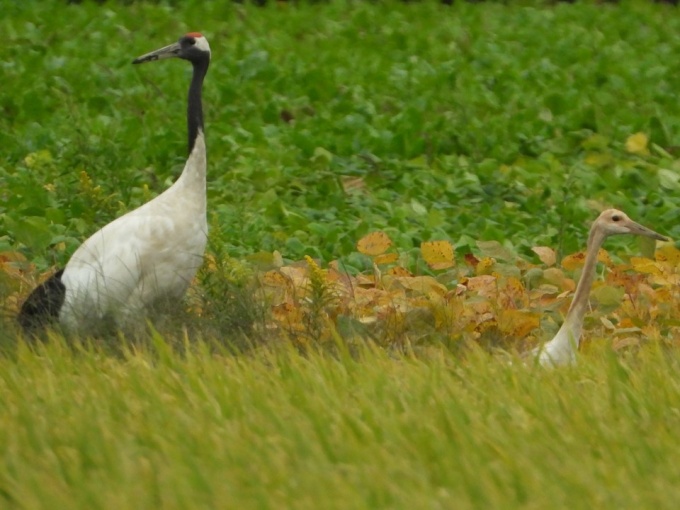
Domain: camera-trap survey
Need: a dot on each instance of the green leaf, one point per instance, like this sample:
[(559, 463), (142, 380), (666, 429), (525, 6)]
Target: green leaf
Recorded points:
[(418, 208), (669, 179), (495, 250), (608, 295), (32, 231)]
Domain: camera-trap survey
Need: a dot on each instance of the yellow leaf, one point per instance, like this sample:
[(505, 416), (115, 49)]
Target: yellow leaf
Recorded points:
[(603, 256), (573, 261), (438, 254), (7, 256), (517, 323), (484, 265), (556, 277), (645, 265), (513, 289), (637, 144), (275, 279), (422, 284), (547, 255), (386, 258), (297, 275), (210, 262), (399, 271), (289, 315), (668, 253), (366, 280), (484, 285), (374, 243)]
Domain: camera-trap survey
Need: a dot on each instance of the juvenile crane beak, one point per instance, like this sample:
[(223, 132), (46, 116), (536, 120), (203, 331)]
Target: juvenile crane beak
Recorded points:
[(169, 51), (636, 228)]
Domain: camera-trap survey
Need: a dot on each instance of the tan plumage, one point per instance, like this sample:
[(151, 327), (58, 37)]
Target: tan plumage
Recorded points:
[(561, 350)]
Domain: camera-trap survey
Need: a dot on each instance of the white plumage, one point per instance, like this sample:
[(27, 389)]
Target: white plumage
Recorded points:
[(150, 253), (146, 256)]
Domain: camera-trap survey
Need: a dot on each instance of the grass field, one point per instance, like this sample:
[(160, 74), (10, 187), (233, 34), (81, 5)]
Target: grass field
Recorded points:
[(277, 430), (472, 123)]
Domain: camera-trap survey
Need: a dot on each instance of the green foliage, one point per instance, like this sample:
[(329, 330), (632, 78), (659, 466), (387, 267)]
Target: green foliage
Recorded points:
[(460, 122)]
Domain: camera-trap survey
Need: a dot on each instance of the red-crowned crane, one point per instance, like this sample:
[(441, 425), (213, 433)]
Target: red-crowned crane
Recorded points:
[(148, 255), (561, 350)]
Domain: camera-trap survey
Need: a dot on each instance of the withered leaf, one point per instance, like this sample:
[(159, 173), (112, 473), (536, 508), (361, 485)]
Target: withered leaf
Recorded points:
[(438, 254), (374, 243)]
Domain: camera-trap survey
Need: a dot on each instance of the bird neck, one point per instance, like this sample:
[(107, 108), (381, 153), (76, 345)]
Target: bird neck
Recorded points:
[(574, 320), (195, 103), (192, 180)]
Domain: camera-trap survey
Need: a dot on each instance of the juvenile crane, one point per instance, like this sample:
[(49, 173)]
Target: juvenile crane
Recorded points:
[(151, 253), (561, 350)]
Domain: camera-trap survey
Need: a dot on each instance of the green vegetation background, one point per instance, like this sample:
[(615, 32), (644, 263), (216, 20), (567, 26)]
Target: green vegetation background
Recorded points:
[(462, 123)]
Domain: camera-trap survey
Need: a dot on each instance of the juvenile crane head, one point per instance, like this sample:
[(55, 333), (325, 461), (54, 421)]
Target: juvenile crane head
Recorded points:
[(193, 47), (612, 222)]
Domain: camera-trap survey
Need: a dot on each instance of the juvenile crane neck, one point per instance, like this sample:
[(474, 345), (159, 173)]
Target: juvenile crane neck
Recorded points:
[(577, 310)]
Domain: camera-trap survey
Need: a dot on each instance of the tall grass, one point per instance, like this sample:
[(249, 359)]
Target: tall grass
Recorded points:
[(280, 430)]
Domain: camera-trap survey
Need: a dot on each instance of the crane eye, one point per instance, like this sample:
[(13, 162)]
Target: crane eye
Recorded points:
[(192, 41), (616, 217)]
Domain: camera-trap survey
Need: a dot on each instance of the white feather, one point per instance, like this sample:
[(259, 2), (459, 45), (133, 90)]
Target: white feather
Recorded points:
[(150, 253), (561, 350), (202, 44)]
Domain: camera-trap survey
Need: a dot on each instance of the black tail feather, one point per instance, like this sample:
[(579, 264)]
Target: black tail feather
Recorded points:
[(42, 306)]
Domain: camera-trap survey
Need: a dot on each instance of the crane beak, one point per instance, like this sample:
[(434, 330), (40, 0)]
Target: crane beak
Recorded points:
[(637, 229), (169, 51)]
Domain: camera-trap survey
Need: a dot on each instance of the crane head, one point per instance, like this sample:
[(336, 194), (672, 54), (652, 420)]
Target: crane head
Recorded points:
[(613, 222), (193, 47)]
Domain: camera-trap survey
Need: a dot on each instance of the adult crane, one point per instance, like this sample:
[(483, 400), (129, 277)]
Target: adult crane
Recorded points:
[(151, 253), (561, 350)]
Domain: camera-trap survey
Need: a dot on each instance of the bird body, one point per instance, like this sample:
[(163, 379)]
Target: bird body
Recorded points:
[(147, 255), (561, 350), (150, 253)]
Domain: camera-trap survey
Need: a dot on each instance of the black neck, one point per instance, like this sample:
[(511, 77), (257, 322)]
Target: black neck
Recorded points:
[(195, 106)]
